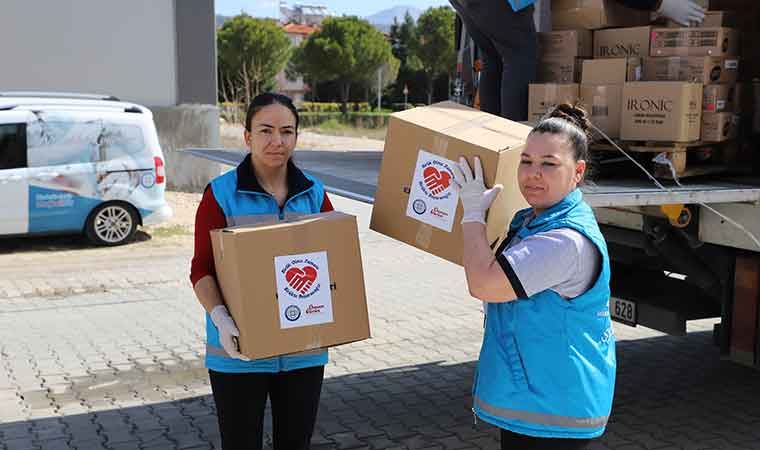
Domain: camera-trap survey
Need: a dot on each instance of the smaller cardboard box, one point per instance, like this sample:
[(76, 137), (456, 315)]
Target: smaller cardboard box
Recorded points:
[(416, 201), (622, 42), (293, 286), (698, 69), (694, 42), (719, 126), (559, 69), (604, 103), (595, 14), (543, 97), (661, 111), (611, 70), (576, 43), (720, 98)]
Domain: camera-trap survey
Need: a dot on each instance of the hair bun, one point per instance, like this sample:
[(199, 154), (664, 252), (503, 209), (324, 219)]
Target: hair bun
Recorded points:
[(573, 114)]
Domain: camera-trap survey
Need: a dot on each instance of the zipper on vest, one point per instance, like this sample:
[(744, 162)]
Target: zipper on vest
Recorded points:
[(474, 418)]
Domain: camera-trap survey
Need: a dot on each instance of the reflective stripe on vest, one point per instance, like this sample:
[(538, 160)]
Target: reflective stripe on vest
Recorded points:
[(542, 419)]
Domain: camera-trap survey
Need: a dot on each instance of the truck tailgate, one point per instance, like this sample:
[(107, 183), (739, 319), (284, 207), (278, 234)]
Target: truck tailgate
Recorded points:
[(643, 192)]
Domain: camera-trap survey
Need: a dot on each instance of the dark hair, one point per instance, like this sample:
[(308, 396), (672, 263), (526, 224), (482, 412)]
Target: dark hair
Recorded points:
[(268, 98), (570, 121)]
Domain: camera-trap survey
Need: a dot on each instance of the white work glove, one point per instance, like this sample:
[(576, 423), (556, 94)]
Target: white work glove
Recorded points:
[(228, 331), (475, 198), (684, 12)]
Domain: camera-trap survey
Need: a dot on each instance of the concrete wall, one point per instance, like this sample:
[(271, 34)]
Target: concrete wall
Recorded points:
[(188, 126), (123, 48)]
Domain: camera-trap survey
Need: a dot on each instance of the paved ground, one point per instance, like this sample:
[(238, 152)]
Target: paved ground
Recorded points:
[(103, 348)]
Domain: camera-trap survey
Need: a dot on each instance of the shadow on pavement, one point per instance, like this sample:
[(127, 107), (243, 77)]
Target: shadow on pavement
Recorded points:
[(54, 243), (672, 392)]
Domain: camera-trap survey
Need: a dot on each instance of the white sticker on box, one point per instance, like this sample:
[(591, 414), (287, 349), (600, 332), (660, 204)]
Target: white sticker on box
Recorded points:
[(732, 64), (303, 289), (720, 105), (433, 198)]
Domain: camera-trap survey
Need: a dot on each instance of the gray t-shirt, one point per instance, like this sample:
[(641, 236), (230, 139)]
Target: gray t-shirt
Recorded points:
[(562, 260)]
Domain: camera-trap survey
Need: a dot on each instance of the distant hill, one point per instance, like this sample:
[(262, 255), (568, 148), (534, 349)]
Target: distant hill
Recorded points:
[(384, 19)]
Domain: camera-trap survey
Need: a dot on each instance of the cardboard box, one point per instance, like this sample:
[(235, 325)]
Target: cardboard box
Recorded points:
[(559, 69), (661, 111), (543, 97), (415, 202), (719, 126), (622, 42), (594, 14), (694, 42), (604, 103), (565, 43), (294, 285), (720, 98), (713, 19), (698, 69), (611, 71)]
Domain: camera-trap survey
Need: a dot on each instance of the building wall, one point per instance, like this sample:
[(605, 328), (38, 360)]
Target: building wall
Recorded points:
[(123, 48)]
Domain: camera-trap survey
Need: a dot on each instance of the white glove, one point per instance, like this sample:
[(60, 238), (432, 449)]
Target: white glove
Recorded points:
[(684, 12), (475, 198), (228, 332)]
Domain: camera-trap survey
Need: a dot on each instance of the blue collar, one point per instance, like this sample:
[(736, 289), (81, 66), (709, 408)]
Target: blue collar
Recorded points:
[(559, 209)]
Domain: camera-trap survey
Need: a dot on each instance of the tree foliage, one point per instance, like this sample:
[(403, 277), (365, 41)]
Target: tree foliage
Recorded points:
[(434, 46), (250, 54)]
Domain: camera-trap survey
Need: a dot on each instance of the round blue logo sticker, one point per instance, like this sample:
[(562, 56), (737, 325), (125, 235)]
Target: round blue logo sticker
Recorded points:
[(292, 313)]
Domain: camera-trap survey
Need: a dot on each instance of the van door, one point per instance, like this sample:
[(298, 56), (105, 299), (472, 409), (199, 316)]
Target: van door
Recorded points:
[(14, 183), (61, 156)]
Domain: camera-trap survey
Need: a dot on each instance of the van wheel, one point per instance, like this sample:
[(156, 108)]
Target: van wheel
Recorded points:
[(111, 224)]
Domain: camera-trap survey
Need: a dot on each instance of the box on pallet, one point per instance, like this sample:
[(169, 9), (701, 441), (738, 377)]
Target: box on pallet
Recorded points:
[(559, 69), (565, 43), (719, 126), (543, 97), (595, 14), (661, 111), (720, 98), (622, 42), (611, 70), (603, 102), (694, 42), (699, 69)]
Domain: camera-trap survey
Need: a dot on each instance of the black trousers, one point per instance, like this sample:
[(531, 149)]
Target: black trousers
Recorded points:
[(509, 52), (241, 399), (514, 441)]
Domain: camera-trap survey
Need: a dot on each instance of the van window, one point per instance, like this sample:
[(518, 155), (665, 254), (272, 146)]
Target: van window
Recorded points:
[(55, 142), (12, 146)]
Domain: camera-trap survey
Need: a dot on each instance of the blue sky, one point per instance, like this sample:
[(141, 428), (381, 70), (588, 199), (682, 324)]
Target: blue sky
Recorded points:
[(269, 8)]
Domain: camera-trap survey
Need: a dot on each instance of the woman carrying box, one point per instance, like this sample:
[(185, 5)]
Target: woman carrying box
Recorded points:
[(546, 372), (266, 185)]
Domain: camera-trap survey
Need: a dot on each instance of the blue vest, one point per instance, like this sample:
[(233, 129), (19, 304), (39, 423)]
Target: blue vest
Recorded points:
[(243, 201), (518, 5), (547, 364)]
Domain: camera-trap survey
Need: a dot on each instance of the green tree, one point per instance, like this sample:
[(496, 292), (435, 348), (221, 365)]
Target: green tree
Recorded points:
[(250, 54), (435, 44), (347, 50)]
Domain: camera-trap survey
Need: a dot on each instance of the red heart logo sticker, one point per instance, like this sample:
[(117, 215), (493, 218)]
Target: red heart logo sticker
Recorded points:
[(436, 180), (301, 279)]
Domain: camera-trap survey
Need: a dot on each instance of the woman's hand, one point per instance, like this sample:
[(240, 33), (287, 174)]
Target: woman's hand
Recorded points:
[(684, 12), (475, 198), (228, 331)]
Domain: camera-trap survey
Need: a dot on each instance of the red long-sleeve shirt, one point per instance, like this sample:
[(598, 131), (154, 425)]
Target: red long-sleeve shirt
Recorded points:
[(211, 217)]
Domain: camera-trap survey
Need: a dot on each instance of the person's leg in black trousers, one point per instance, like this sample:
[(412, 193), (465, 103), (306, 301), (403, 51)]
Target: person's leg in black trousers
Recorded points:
[(240, 402), (512, 36), (295, 400), (514, 441)]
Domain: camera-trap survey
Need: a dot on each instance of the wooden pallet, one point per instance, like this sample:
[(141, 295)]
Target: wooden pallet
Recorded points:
[(686, 159)]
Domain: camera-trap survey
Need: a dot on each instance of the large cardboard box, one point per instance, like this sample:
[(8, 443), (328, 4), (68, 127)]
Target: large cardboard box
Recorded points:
[(720, 98), (604, 104), (294, 285), (661, 111), (694, 42), (559, 69), (611, 71), (595, 14), (719, 126), (543, 97), (622, 42), (699, 69), (565, 43), (416, 201)]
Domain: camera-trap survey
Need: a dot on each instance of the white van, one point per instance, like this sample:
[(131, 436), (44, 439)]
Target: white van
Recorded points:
[(76, 163)]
